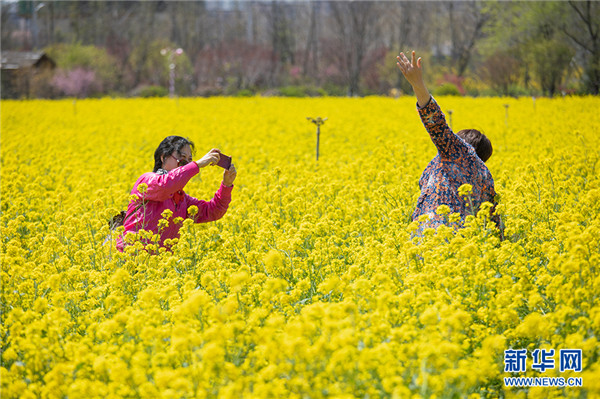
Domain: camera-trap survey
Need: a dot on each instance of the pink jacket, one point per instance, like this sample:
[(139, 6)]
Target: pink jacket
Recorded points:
[(166, 192)]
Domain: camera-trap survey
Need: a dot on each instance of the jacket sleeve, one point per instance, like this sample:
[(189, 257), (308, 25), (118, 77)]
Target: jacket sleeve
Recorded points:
[(209, 211), (448, 144), (162, 187)]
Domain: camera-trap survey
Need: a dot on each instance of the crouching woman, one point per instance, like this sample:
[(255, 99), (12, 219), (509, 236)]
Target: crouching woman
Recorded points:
[(162, 189)]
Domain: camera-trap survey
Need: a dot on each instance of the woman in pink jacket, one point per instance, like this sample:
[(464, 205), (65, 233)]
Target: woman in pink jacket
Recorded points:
[(162, 189)]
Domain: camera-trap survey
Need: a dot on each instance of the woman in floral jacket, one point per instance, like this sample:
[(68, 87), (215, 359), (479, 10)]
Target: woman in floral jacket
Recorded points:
[(460, 160)]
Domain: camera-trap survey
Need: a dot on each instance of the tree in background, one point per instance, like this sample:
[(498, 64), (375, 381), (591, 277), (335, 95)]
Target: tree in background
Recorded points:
[(83, 70), (584, 30), (142, 60), (551, 60), (355, 25), (282, 38), (501, 71), (547, 51), (311, 51), (466, 29), (531, 32)]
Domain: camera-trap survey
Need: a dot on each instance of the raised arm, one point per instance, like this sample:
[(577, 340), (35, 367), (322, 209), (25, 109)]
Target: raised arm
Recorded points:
[(449, 145), (209, 211), (413, 72), (161, 187)]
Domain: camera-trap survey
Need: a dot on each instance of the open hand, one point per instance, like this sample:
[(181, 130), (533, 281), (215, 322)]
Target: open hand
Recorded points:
[(413, 72), (411, 69)]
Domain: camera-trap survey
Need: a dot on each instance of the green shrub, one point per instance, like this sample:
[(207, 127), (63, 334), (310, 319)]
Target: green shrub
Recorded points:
[(334, 90), (292, 91), (447, 89), (244, 93), (301, 91), (153, 91)]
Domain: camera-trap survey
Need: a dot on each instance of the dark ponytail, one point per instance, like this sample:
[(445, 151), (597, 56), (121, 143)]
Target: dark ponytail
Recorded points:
[(167, 147)]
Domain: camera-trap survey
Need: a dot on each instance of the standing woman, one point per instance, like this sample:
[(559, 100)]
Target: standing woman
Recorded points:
[(162, 189)]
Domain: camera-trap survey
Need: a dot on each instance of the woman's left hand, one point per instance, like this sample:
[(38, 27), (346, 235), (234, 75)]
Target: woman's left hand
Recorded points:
[(229, 176)]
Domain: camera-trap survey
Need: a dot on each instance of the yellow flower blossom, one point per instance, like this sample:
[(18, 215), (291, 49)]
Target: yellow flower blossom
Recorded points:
[(443, 210), (142, 188), (465, 190), (167, 214), (192, 210)]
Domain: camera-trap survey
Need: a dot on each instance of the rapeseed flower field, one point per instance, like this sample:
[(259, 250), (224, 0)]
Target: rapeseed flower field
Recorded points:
[(313, 284)]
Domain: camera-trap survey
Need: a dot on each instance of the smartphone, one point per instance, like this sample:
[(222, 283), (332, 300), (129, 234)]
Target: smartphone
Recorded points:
[(224, 161)]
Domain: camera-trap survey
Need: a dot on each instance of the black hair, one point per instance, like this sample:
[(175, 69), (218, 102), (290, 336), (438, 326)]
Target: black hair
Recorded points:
[(168, 146), (481, 144)]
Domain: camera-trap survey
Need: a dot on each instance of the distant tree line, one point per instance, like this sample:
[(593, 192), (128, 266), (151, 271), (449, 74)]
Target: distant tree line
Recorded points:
[(303, 48)]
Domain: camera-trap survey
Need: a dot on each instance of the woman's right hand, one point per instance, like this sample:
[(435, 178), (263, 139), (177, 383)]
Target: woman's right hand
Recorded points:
[(413, 72), (211, 158)]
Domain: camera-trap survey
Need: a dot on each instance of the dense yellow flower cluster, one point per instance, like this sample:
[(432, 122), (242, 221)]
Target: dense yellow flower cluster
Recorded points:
[(313, 284)]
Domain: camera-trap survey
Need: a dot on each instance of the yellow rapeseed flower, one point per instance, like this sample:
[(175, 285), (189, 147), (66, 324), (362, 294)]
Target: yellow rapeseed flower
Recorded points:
[(465, 190)]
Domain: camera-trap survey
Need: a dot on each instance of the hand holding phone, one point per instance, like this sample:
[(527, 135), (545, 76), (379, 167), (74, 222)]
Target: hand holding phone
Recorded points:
[(211, 158), (224, 161), (229, 176)]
